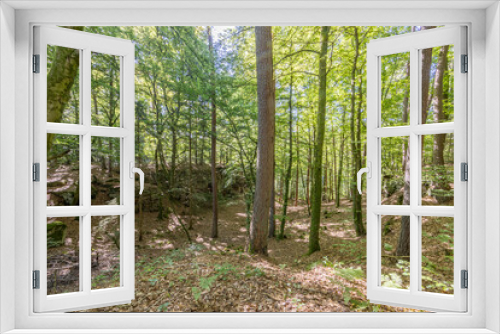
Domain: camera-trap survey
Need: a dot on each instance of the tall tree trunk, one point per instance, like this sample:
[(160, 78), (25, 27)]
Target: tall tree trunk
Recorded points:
[(318, 147), (426, 62), (190, 225), (173, 158), (325, 177), (215, 209), (195, 141), (265, 140), (340, 169), (356, 197), (308, 179), (60, 80), (298, 161), (403, 248), (288, 175), (438, 116), (334, 169)]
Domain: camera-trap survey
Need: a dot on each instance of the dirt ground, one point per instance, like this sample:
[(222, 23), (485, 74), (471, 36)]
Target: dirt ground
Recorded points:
[(217, 275)]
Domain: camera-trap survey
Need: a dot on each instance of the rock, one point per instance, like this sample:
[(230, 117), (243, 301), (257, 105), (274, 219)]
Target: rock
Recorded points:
[(56, 233)]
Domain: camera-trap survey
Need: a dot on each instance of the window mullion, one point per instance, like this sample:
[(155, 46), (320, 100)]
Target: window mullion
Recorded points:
[(414, 170), (86, 141)]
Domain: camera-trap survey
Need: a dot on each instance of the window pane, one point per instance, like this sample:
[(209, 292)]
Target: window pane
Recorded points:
[(105, 90), (105, 252), (437, 254), (105, 188), (63, 255), (63, 170), (395, 89), (63, 85), (395, 167), (438, 169), (395, 244), (437, 66)]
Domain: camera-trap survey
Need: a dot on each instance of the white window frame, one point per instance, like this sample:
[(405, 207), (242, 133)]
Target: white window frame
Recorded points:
[(86, 44), (413, 43), (483, 101)]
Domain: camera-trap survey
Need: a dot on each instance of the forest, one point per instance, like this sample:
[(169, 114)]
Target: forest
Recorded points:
[(250, 139)]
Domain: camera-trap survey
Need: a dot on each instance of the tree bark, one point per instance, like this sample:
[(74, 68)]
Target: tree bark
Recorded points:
[(60, 80), (265, 140), (318, 148)]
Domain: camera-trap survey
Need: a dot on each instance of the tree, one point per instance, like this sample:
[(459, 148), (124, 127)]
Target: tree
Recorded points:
[(288, 175), (318, 147), (60, 80), (265, 141), (403, 247), (215, 209), (355, 145), (438, 117)]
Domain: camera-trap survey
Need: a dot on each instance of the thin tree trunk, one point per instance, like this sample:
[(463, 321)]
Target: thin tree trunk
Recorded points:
[(308, 180), (340, 170), (325, 177), (190, 225), (438, 116), (265, 141), (426, 62), (215, 209), (334, 169), (356, 197), (403, 248), (288, 176), (318, 148), (298, 161)]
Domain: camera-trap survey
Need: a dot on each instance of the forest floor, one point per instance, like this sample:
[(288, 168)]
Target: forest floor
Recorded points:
[(217, 275)]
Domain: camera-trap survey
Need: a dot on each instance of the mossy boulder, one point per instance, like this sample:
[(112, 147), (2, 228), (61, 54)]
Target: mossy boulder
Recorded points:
[(56, 233)]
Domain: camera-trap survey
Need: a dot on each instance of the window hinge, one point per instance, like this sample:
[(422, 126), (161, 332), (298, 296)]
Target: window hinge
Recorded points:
[(465, 279), (465, 64), (464, 172), (36, 279), (36, 172), (36, 63)]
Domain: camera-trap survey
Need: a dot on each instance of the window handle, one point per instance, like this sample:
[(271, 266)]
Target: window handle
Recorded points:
[(134, 170), (368, 171)]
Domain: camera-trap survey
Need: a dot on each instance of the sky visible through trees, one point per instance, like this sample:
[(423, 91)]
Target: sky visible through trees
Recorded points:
[(207, 236)]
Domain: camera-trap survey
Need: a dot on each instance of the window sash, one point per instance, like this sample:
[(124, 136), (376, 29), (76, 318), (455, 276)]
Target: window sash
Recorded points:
[(87, 297), (413, 43)]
